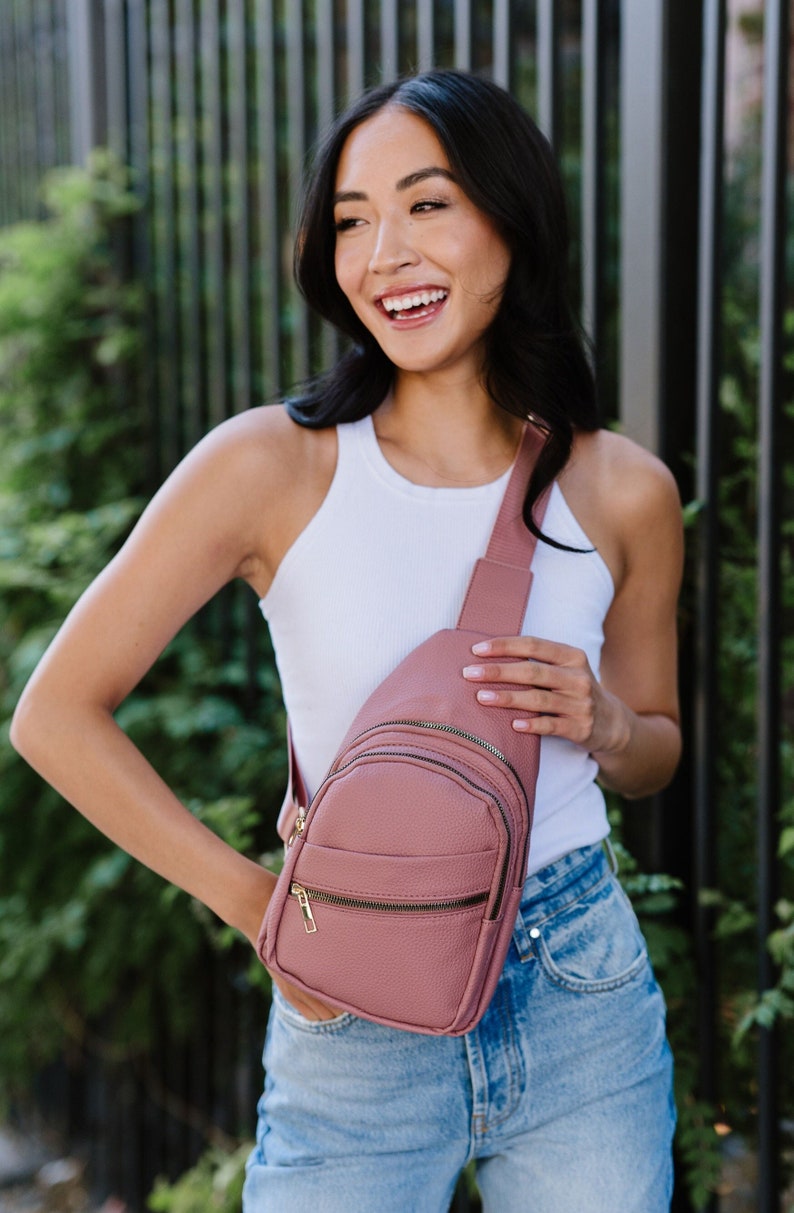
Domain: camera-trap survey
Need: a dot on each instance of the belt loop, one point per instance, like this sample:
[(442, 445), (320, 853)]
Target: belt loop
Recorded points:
[(611, 856)]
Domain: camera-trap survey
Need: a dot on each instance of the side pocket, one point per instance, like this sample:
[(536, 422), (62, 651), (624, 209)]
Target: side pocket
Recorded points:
[(593, 944), (292, 1016)]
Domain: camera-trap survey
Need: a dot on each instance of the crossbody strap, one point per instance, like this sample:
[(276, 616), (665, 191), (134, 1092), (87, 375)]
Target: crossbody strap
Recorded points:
[(498, 592), (496, 600)]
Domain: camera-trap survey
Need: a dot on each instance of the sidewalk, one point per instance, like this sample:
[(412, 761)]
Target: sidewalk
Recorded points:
[(33, 1181), (20, 1162)]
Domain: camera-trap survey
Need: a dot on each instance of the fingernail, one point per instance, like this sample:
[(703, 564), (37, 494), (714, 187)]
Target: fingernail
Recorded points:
[(521, 725), (486, 696), (473, 671), (483, 646)]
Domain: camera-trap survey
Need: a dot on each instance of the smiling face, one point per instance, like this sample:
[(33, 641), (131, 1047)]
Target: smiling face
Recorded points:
[(422, 267)]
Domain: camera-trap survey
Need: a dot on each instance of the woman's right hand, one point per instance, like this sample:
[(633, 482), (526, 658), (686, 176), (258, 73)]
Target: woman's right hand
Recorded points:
[(307, 1005)]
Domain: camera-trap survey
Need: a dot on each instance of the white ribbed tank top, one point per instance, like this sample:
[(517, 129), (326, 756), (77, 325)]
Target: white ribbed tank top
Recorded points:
[(382, 565)]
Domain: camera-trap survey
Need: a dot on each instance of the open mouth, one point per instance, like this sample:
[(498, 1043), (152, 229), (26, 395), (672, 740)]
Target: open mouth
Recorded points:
[(414, 305)]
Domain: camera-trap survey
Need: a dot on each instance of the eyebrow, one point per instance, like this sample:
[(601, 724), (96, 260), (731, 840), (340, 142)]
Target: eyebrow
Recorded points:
[(404, 183)]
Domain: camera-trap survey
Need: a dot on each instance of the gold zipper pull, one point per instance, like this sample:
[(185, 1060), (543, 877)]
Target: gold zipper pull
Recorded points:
[(300, 822), (298, 891)]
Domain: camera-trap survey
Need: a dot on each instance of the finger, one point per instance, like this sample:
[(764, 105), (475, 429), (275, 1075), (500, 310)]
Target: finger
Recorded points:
[(305, 1004), (529, 647), (577, 730), (519, 673), (312, 1008), (545, 703), (539, 726)]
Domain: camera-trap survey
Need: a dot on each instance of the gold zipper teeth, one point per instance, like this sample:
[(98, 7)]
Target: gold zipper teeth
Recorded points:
[(446, 728), (435, 762), (400, 907), (456, 732), (486, 745)]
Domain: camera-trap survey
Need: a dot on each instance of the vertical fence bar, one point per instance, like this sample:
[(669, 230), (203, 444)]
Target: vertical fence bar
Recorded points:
[(27, 86), (87, 109), (641, 217), (355, 48), (463, 34), (7, 108), (705, 688), (548, 22), (425, 35), (593, 163), (267, 182), (239, 218), (189, 239), (116, 79), (39, 62), (326, 58), (772, 269), (140, 159), (44, 75), (164, 229), (214, 210), (389, 40), (326, 110), (61, 81), (21, 109), (501, 42), (296, 126)]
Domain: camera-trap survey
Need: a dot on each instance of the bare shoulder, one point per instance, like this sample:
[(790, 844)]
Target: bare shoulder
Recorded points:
[(614, 464), (253, 483), (626, 500), (266, 444)]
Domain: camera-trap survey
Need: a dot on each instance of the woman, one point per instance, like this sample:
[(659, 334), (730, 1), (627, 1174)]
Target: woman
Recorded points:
[(434, 234)]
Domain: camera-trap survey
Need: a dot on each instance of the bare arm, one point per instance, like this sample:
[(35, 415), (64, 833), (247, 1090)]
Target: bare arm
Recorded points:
[(629, 720), (194, 537), (230, 510), (639, 673)]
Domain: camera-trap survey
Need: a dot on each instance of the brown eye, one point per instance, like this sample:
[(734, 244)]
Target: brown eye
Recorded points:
[(428, 204)]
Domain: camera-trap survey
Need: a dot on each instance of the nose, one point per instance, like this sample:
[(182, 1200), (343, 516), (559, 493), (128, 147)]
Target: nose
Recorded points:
[(393, 248)]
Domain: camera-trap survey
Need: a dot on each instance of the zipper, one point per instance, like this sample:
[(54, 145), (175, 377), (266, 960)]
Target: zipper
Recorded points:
[(300, 822), (486, 745), (447, 728), (306, 910), (445, 766), (360, 903), (431, 725)]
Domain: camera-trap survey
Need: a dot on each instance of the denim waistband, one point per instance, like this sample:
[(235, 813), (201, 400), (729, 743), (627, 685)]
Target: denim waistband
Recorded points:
[(557, 885)]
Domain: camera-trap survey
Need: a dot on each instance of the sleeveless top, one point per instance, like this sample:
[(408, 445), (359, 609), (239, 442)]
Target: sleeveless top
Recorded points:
[(382, 565)]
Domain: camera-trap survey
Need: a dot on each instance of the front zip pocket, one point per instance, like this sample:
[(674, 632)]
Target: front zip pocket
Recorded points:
[(450, 767), (389, 907)]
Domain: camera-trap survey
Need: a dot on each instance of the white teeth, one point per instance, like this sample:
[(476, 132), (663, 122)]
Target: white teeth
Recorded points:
[(401, 303)]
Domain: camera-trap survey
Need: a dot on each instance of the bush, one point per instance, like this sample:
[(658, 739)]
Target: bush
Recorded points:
[(87, 936), (214, 1185)]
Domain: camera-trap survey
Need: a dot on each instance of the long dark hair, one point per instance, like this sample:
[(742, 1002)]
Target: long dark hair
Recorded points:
[(535, 359)]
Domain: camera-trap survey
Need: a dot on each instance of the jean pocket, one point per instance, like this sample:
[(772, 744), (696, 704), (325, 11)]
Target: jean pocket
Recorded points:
[(292, 1016), (593, 944)]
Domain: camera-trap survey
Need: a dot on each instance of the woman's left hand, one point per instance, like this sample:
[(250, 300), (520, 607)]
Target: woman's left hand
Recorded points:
[(556, 682)]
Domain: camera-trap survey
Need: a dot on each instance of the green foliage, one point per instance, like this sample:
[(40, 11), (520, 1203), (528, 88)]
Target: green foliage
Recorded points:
[(656, 900), (214, 1185), (93, 946), (743, 1011)]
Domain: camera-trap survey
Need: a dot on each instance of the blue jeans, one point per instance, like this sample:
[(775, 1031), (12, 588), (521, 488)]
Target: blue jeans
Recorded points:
[(562, 1093)]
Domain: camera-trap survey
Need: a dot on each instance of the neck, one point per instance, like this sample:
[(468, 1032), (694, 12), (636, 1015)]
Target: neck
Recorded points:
[(445, 432)]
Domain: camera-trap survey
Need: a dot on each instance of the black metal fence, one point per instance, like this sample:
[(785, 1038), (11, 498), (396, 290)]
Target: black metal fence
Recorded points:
[(216, 105)]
